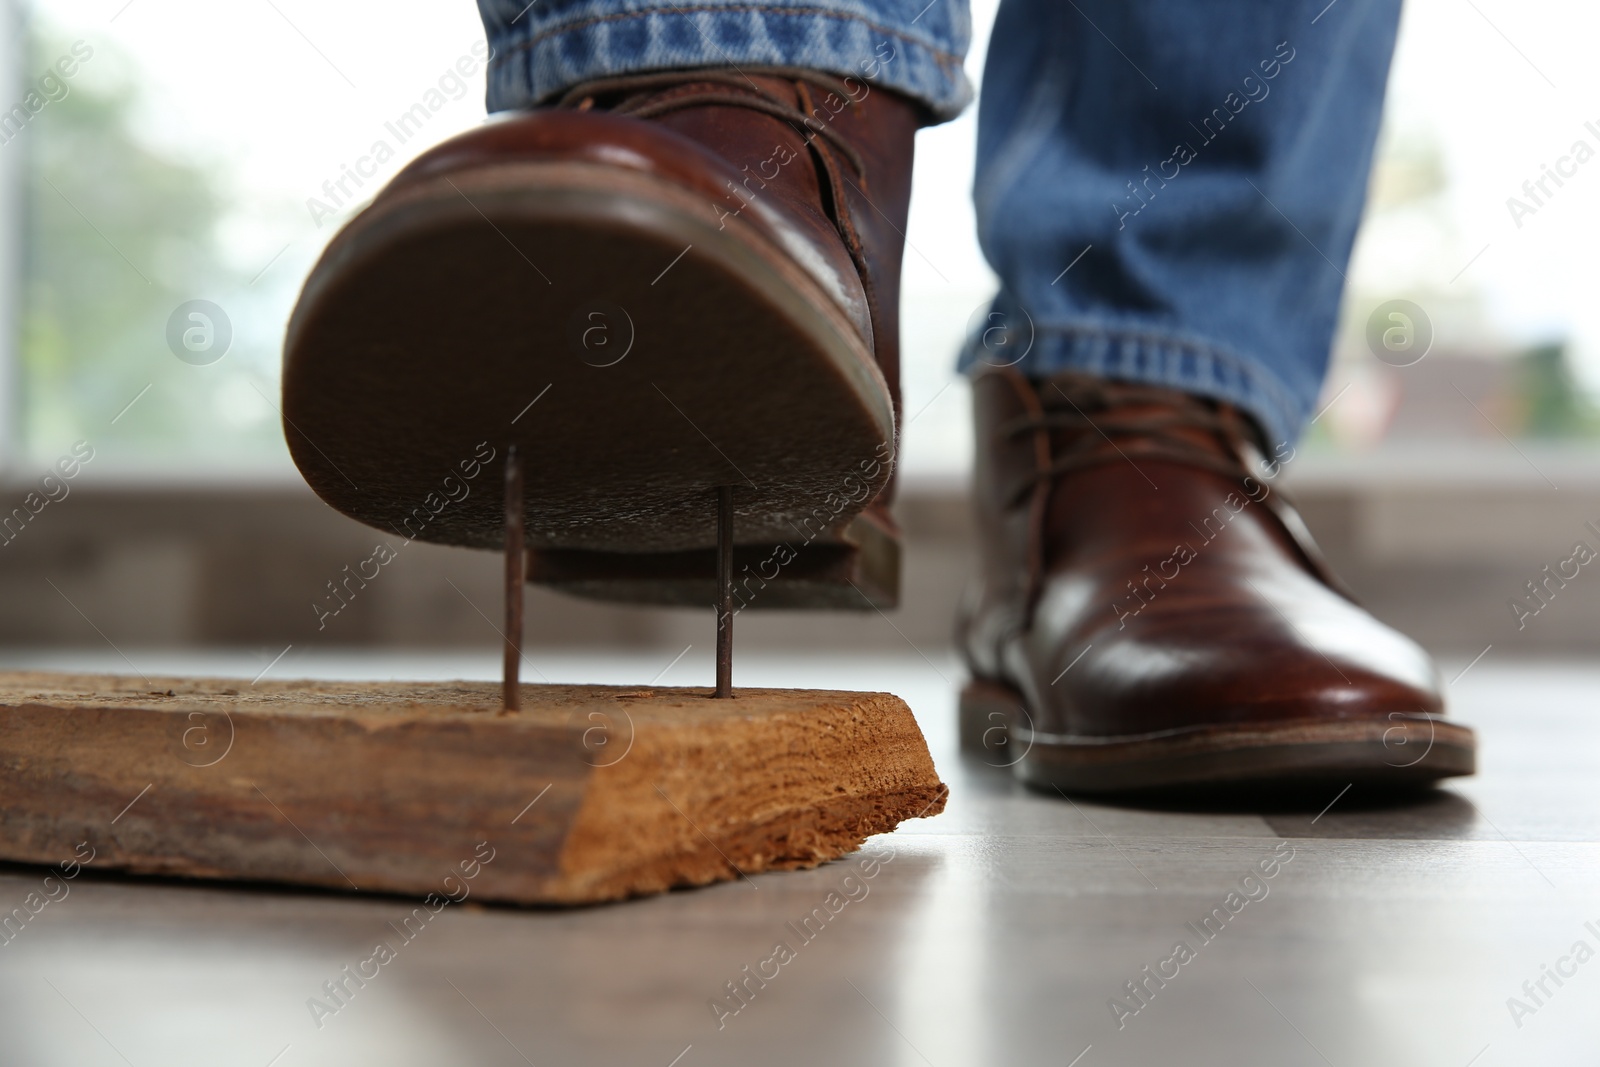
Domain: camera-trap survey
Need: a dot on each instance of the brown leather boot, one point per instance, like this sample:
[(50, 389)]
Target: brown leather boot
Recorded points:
[(659, 285), (1155, 616)]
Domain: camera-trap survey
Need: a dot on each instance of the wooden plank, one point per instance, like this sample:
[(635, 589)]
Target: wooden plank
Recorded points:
[(589, 793)]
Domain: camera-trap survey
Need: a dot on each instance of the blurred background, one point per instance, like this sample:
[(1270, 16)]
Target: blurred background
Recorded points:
[(196, 152)]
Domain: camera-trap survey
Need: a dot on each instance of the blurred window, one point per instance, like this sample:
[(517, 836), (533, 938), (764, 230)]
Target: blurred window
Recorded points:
[(183, 164)]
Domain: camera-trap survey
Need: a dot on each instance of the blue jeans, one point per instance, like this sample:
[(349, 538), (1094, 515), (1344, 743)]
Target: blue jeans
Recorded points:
[(1168, 189)]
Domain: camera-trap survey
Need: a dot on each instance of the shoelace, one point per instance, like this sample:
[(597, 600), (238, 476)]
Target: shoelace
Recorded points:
[(1117, 421), (648, 95), (1123, 421)]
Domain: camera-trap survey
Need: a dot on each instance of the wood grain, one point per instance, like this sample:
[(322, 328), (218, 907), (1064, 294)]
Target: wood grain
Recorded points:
[(590, 793)]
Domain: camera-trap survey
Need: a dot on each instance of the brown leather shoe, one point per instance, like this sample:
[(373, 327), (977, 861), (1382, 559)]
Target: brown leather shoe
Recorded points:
[(1155, 616), (659, 285)]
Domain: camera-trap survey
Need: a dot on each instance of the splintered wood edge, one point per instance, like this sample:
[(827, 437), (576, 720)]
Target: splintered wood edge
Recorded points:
[(718, 799), (676, 789)]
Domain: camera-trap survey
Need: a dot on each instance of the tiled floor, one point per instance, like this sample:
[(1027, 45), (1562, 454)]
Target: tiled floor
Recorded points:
[(1002, 932)]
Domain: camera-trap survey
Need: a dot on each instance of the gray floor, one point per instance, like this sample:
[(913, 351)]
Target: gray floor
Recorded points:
[(997, 933)]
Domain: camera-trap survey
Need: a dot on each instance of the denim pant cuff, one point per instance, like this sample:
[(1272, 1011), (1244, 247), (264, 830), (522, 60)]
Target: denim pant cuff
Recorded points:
[(1155, 357), (537, 57)]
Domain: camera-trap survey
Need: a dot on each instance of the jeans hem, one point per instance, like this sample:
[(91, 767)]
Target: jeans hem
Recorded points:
[(1156, 357), (533, 64)]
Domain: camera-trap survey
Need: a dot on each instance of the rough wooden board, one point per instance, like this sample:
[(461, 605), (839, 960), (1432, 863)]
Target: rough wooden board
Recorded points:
[(590, 793)]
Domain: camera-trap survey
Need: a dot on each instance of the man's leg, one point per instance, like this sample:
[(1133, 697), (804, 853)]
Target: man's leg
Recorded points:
[(1212, 159), (1169, 191)]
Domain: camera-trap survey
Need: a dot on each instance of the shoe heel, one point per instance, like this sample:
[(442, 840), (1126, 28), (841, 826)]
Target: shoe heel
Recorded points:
[(854, 569), (984, 716)]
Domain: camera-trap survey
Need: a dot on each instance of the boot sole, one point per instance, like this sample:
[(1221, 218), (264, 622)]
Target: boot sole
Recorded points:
[(637, 355), (1403, 752)]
